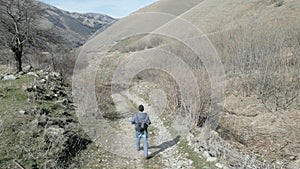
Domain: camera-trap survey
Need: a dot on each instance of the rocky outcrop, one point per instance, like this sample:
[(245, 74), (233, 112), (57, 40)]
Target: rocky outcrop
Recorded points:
[(45, 128), (226, 156)]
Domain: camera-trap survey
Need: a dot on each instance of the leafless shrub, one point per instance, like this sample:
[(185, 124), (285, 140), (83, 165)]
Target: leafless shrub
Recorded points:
[(105, 102), (188, 97), (277, 92), (264, 57)]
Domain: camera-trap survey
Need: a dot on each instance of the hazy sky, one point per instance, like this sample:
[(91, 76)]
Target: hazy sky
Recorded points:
[(114, 8)]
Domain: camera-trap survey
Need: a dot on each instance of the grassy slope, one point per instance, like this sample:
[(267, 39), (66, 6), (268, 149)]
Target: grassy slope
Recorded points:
[(12, 100), (24, 137)]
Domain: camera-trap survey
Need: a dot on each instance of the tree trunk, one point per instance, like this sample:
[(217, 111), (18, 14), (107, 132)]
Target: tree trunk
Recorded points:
[(18, 57)]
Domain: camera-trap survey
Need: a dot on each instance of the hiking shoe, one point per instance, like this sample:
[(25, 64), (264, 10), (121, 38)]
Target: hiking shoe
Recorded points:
[(148, 157)]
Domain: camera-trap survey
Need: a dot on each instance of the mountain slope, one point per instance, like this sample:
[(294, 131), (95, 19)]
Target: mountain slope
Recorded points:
[(76, 28), (216, 15)]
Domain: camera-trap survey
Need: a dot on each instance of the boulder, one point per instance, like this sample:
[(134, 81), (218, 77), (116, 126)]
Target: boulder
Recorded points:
[(27, 68), (211, 159), (10, 77), (20, 73), (32, 74), (206, 154), (43, 81), (55, 74), (55, 131), (22, 111), (219, 165)]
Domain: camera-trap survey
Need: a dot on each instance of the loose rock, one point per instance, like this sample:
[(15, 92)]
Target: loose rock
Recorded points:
[(219, 165), (32, 74), (211, 159), (22, 111), (10, 77)]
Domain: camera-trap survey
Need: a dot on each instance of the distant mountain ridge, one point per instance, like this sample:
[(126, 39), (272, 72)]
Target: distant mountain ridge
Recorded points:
[(74, 27), (59, 34)]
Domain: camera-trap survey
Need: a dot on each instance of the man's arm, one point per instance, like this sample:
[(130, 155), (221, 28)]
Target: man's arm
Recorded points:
[(133, 119), (148, 120)]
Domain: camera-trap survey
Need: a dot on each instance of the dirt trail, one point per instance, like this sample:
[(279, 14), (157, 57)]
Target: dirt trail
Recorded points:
[(163, 147)]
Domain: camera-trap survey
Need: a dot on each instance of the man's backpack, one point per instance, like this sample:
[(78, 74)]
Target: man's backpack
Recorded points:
[(140, 126)]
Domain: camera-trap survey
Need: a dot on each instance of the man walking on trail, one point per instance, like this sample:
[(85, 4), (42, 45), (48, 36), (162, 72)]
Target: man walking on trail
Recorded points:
[(141, 121)]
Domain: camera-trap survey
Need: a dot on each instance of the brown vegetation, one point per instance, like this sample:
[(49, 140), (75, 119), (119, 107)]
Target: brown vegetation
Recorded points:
[(262, 69), (261, 62)]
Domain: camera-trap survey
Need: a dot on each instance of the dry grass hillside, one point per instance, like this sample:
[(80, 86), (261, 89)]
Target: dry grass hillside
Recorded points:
[(215, 15), (258, 44)]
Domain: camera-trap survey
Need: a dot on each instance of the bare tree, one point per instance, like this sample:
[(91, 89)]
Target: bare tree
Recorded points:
[(18, 24)]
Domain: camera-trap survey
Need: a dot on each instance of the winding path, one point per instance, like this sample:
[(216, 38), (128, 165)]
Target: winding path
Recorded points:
[(163, 147)]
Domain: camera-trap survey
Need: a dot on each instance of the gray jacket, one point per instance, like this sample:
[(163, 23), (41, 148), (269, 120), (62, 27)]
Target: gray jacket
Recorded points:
[(140, 117)]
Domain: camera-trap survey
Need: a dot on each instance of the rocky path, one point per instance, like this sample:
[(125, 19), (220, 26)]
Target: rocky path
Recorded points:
[(164, 148), (162, 143)]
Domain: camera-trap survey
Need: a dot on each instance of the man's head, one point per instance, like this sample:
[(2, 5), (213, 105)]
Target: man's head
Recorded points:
[(141, 108)]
